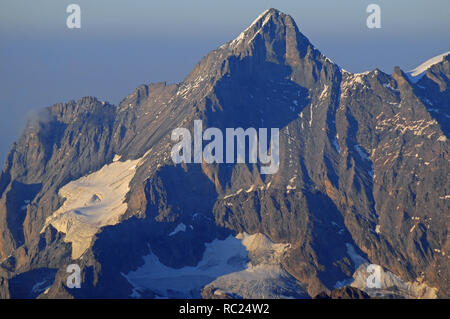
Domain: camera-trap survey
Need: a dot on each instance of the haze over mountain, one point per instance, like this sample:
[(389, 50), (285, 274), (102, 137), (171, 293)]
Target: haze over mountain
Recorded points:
[(363, 179)]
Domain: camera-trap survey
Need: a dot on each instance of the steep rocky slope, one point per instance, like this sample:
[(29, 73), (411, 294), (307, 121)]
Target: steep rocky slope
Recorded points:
[(363, 178)]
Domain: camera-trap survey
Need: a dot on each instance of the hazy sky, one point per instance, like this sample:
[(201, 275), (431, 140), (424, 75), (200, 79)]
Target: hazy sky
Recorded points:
[(122, 44)]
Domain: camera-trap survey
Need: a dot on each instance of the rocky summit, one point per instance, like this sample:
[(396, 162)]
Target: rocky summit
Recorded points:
[(363, 180)]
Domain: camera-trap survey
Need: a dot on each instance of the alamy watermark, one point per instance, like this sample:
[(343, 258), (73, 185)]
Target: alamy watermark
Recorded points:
[(74, 279), (374, 19), (74, 19), (213, 152), (374, 278)]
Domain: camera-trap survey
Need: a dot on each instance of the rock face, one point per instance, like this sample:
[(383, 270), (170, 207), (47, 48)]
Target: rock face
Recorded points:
[(363, 179)]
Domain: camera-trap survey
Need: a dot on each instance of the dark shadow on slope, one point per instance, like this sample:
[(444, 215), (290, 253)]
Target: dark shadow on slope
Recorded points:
[(436, 101), (254, 95), (32, 283), (17, 200), (330, 236)]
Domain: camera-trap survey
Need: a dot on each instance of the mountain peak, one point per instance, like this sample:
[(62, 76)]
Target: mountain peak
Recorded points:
[(264, 22), (91, 179), (428, 64), (273, 37), (266, 15)]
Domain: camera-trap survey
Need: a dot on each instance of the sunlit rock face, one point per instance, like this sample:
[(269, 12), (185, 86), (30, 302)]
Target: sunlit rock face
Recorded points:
[(363, 179)]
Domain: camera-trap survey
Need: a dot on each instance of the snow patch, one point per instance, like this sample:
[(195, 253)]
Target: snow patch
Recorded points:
[(220, 257), (361, 153), (421, 69), (42, 286), (388, 86), (242, 35), (263, 277), (377, 229), (231, 265), (336, 145), (180, 228), (354, 256), (365, 157), (391, 284), (91, 202)]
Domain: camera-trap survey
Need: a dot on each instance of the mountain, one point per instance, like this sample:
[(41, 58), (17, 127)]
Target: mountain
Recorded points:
[(362, 179), (419, 71)]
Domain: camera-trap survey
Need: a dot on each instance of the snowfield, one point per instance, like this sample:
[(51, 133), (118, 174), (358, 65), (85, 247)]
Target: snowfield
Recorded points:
[(389, 282), (246, 265), (92, 202), (392, 284), (418, 72)]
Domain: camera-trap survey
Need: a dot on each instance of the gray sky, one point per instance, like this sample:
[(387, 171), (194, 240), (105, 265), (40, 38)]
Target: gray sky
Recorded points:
[(122, 44)]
